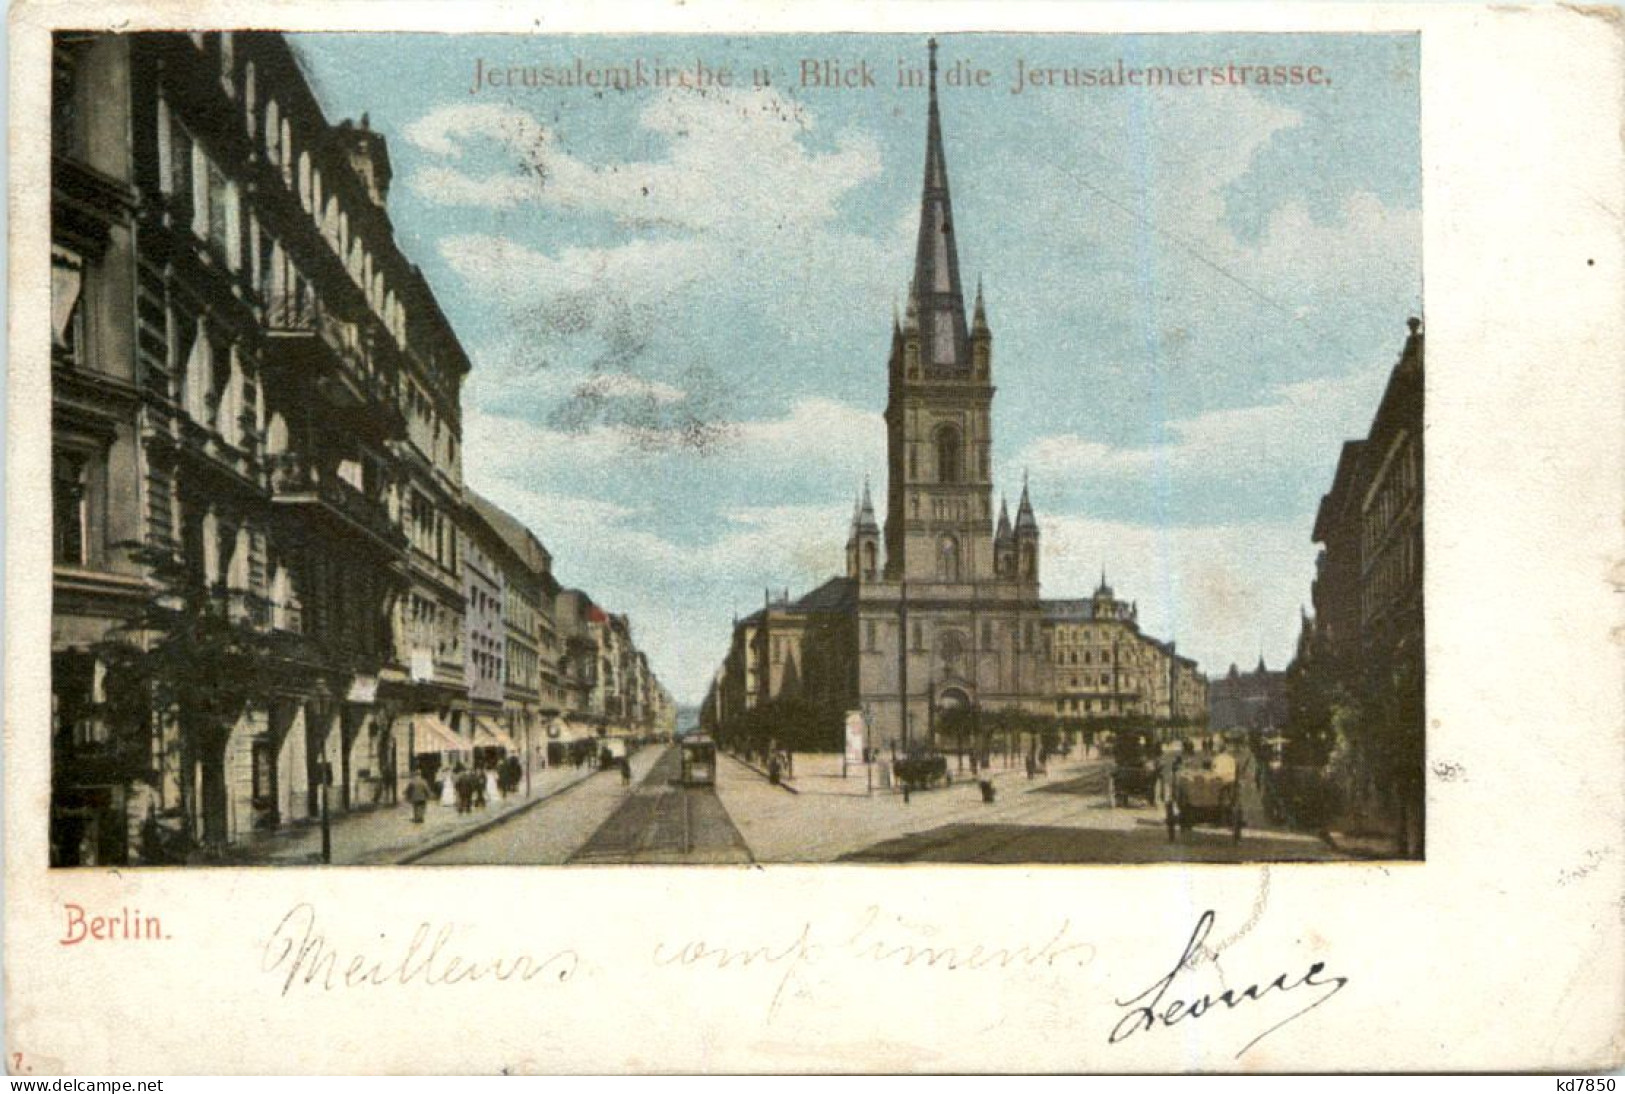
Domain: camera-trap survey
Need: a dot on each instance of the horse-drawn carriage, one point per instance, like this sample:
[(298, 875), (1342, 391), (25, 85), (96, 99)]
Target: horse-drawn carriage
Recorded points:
[(922, 771), (1205, 791), (1134, 769)]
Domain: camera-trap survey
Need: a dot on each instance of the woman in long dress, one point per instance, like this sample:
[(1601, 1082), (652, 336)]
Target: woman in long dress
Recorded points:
[(448, 786), (493, 792)]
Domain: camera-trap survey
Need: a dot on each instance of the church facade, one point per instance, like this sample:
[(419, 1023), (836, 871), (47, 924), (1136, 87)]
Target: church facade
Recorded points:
[(939, 609)]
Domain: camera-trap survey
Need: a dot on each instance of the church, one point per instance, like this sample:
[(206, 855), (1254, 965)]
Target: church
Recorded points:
[(939, 609)]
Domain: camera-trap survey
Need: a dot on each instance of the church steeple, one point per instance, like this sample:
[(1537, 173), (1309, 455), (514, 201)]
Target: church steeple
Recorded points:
[(944, 341), (866, 513), (1026, 537), (939, 434), (1004, 544), (863, 543), (1025, 521)]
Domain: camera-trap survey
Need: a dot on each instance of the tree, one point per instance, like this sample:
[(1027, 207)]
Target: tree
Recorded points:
[(192, 658)]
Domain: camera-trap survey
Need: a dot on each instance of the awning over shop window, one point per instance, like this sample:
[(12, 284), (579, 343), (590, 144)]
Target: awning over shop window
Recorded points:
[(431, 735), (489, 732)]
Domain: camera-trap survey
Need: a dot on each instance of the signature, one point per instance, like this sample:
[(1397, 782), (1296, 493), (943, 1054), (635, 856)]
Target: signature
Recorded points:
[(1149, 1010), (302, 955)]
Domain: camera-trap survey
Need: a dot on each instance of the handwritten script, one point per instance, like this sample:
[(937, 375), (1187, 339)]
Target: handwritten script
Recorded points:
[(879, 939), (299, 953), (1159, 1006)]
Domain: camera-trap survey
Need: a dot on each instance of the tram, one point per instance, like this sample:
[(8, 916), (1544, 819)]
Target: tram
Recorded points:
[(699, 766)]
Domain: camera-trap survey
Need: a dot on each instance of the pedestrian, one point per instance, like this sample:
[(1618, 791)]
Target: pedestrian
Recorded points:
[(448, 786), (626, 771), (465, 790), (493, 790), (417, 795), (773, 770)]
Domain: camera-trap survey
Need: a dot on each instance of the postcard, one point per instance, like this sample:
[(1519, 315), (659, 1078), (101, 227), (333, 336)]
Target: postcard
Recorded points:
[(824, 539)]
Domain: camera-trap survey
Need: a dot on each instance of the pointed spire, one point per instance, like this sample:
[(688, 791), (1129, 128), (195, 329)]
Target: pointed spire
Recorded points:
[(979, 322), (941, 304), (911, 311), (1003, 532), (1025, 521), (866, 511)]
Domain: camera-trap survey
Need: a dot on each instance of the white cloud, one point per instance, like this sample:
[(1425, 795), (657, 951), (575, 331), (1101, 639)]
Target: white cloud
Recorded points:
[(821, 437), (445, 130), (1291, 428), (1222, 592), (735, 158)]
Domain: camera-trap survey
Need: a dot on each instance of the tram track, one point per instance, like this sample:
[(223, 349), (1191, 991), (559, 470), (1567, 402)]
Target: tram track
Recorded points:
[(663, 821)]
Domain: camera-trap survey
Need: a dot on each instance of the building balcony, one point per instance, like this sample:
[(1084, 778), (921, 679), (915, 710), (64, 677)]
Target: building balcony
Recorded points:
[(310, 344), (207, 450), (297, 482)]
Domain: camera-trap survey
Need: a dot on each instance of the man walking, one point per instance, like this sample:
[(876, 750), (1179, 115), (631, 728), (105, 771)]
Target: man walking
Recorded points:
[(417, 795)]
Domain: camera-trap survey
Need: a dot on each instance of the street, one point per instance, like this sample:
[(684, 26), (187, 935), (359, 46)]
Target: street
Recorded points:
[(820, 816)]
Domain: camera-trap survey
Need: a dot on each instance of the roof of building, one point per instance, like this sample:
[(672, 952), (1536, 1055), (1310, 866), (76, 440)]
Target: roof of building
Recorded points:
[(1080, 610), (518, 538)]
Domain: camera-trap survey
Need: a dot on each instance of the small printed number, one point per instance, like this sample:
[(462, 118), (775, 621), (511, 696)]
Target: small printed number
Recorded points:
[(1586, 1086)]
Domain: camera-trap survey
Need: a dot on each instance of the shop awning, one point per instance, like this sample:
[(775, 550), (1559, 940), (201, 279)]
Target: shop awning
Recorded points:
[(490, 732), (431, 735)]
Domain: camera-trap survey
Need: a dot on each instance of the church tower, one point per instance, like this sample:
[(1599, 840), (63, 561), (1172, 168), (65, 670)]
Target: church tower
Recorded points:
[(938, 432)]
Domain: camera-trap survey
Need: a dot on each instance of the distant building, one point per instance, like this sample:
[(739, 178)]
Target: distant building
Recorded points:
[(1248, 700), (1102, 667)]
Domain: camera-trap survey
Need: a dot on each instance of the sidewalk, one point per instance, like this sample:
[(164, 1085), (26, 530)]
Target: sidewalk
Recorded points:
[(387, 836)]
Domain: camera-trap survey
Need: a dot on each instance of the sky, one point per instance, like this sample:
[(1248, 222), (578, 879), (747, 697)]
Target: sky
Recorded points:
[(678, 300)]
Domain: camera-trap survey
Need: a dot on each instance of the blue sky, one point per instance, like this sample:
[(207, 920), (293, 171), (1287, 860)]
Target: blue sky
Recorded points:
[(679, 302)]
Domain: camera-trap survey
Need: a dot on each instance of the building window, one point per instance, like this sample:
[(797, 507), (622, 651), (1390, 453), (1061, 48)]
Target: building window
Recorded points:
[(67, 114), (919, 637), (70, 522), (869, 634), (67, 305), (948, 559), (948, 454)]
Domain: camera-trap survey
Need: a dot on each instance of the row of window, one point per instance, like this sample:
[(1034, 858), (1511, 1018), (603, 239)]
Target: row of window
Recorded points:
[(217, 216), (432, 626), (1398, 488), (431, 531), (1395, 574), (487, 666)]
